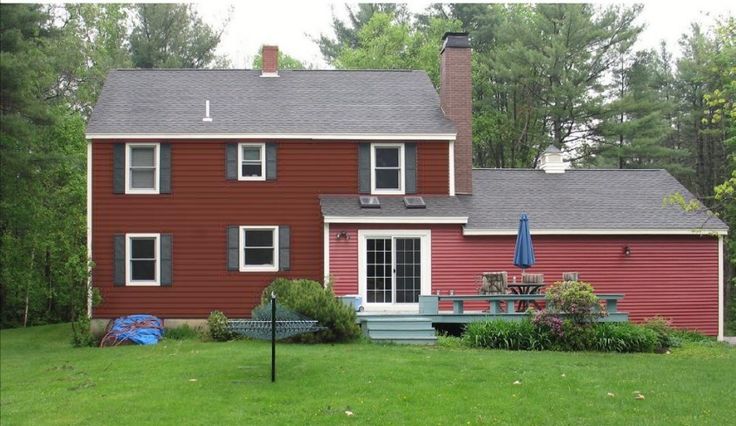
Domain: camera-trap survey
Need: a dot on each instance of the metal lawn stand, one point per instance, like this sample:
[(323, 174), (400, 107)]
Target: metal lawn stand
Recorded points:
[(262, 327)]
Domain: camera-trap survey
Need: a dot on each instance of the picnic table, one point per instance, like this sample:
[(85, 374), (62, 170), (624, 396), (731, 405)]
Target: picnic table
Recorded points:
[(525, 288)]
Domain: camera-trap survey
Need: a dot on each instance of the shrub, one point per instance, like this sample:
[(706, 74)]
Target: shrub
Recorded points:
[(512, 335), (575, 300), (624, 337), (82, 332), (526, 335), (218, 327), (310, 299), (183, 332), (663, 327)]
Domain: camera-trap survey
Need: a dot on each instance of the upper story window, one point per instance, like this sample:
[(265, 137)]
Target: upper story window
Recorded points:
[(387, 171), (143, 259), (259, 248), (252, 161), (142, 165)]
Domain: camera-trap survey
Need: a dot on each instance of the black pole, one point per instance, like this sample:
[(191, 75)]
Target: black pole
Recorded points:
[(273, 337)]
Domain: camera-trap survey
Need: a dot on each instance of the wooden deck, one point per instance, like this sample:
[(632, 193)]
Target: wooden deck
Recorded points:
[(416, 326)]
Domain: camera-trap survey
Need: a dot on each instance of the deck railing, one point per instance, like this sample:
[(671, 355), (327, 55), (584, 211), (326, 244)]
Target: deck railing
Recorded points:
[(430, 304)]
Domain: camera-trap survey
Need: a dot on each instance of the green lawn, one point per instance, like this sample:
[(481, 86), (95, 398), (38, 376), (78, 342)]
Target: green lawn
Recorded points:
[(45, 381)]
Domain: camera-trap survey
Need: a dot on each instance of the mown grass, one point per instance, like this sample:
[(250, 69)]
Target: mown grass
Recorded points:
[(45, 381)]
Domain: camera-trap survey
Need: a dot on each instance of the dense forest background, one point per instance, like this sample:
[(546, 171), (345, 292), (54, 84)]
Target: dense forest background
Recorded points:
[(562, 74)]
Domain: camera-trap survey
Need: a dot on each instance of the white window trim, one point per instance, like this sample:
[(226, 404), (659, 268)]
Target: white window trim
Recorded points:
[(157, 163), (425, 236), (241, 249), (129, 269), (402, 169), (262, 147)]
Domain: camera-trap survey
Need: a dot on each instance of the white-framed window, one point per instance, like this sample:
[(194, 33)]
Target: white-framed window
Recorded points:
[(387, 168), (142, 168), (252, 161), (142, 259), (259, 248)]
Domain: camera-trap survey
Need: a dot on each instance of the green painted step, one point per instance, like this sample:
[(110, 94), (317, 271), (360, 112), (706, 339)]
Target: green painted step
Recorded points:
[(396, 329), (400, 334), (408, 341), (390, 325)]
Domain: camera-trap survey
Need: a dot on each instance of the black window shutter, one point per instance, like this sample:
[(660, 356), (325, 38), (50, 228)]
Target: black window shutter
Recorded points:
[(233, 248), (166, 260), (410, 165), (231, 161), (118, 168), (284, 248), (118, 260), (364, 168), (165, 171), (271, 163)]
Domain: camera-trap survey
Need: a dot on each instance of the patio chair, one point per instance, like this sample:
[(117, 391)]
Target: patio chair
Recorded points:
[(532, 278), (494, 283), (570, 276)]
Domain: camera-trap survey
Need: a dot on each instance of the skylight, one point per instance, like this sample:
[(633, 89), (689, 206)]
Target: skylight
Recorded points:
[(369, 202), (414, 202)]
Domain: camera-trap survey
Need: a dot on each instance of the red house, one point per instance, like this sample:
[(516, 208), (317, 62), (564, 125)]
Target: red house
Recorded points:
[(205, 185)]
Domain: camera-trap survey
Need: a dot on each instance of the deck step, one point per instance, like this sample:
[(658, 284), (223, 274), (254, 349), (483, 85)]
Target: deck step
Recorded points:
[(408, 341), (398, 329)]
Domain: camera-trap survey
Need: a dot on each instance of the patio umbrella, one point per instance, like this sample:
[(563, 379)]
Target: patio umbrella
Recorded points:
[(524, 252)]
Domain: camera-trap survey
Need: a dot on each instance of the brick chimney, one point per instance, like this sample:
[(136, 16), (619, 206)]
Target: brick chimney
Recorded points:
[(456, 94), (270, 56)]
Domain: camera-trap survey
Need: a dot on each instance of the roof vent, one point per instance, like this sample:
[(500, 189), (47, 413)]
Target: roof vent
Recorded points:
[(369, 202), (207, 117), (551, 161), (414, 202)]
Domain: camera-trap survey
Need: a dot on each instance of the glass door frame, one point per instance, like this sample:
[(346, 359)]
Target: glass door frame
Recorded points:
[(425, 238)]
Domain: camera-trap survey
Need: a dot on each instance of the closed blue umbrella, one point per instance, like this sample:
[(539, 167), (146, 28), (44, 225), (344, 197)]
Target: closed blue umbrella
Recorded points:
[(524, 252)]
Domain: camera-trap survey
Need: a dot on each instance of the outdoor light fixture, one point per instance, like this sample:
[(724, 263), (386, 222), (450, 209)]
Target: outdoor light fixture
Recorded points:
[(343, 235), (627, 251)]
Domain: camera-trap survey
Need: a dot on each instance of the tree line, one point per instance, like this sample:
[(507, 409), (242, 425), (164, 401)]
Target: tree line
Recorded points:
[(562, 74)]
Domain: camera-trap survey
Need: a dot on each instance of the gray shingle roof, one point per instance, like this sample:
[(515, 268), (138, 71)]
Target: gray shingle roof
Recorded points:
[(392, 206), (242, 102), (581, 199)]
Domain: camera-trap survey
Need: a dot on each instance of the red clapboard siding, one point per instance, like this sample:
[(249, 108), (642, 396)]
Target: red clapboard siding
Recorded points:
[(203, 203), (672, 276)]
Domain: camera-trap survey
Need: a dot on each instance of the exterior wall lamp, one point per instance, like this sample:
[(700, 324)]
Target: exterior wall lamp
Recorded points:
[(627, 251), (342, 235)]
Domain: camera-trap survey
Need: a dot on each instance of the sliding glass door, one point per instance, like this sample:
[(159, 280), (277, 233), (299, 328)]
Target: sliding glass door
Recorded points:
[(393, 269)]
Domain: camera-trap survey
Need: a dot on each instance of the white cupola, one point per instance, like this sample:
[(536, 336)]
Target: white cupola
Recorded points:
[(551, 161)]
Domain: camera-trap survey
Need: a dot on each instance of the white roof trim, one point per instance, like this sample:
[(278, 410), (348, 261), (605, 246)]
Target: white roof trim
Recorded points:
[(397, 219), (471, 232), (329, 136)]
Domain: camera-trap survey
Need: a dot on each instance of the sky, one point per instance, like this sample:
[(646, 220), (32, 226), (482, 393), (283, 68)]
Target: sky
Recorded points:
[(292, 24)]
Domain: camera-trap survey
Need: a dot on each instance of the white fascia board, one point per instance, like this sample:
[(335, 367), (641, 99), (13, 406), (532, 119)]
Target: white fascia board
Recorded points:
[(325, 136), (471, 232), (396, 220)]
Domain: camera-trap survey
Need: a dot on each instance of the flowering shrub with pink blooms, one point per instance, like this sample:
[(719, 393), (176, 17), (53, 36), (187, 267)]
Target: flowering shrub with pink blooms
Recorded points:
[(573, 300)]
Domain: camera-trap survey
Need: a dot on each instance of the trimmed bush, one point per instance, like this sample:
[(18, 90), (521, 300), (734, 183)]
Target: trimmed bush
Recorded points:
[(624, 337), (512, 335), (312, 300), (526, 335), (218, 328)]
